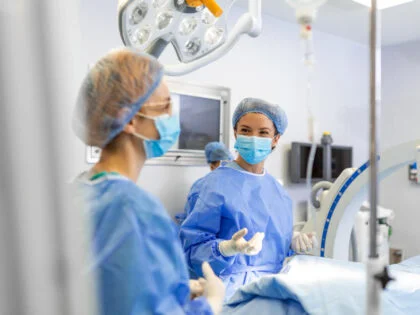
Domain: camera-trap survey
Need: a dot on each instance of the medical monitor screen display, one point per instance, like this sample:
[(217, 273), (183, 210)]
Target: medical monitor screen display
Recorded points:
[(341, 158), (200, 121)]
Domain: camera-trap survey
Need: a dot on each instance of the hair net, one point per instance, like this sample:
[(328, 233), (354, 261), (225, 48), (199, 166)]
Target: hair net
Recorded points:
[(216, 151), (112, 93), (254, 105)]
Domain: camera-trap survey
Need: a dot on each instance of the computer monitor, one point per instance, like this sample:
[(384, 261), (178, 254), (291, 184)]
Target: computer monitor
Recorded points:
[(341, 158)]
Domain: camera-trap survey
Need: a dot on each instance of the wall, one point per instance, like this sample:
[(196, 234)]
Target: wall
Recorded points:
[(400, 123), (268, 67)]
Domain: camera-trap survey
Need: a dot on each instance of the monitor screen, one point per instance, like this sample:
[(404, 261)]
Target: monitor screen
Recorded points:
[(341, 158), (200, 121)]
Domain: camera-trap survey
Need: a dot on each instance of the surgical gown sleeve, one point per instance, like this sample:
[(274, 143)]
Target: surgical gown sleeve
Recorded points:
[(199, 234), (193, 196), (140, 266)]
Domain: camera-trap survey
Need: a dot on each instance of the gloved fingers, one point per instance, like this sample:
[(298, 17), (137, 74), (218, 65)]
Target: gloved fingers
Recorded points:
[(251, 247), (228, 248), (238, 235), (314, 241), (202, 282), (257, 238), (196, 288), (252, 242), (243, 247), (254, 250), (208, 272), (295, 243), (307, 241), (255, 243), (301, 244), (311, 234)]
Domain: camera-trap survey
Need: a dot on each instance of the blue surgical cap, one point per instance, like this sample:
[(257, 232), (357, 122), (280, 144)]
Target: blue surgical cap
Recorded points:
[(254, 105), (216, 151), (112, 93)]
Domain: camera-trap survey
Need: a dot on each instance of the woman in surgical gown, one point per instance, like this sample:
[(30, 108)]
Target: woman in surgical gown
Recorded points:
[(216, 153), (241, 220), (125, 109)]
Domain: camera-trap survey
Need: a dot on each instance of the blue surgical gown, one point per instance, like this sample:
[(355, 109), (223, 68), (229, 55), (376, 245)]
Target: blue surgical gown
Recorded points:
[(230, 199), (192, 198), (138, 258)]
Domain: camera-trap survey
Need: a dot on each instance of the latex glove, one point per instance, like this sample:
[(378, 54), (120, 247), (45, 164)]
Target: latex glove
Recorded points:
[(196, 289), (238, 245), (214, 289), (303, 243)]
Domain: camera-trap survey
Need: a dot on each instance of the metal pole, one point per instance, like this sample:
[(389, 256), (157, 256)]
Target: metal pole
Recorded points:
[(374, 290), (375, 103), (326, 142)]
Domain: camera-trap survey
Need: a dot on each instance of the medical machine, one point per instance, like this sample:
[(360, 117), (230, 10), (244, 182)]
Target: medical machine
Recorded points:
[(361, 233), (413, 169), (338, 202), (413, 173)]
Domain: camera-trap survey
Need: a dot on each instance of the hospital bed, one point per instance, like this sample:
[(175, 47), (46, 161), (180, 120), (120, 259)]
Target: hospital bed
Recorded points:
[(316, 285)]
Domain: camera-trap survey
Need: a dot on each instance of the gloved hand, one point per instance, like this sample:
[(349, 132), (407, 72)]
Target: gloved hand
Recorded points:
[(238, 245), (214, 289), (196, 289), (303, 243)]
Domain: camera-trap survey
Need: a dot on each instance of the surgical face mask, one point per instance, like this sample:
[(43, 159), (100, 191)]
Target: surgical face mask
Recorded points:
[(253, 149), (169, 130)]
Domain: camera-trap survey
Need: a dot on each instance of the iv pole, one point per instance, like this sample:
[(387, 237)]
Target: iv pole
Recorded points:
[(374, 267)]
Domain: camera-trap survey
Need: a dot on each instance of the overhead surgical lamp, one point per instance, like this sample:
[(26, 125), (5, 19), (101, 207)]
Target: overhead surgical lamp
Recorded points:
[(197, 29)]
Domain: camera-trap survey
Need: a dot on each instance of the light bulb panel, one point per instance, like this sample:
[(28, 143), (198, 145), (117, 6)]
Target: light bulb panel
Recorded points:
[(139, 18)]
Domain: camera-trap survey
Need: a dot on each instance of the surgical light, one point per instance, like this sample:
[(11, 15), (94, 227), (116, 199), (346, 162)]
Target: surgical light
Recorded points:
[(188, 26), (138, 13), (143, 35), (207, 17), (197, 29), (193, 46), (159, 3), (164, 19), (214, 35)]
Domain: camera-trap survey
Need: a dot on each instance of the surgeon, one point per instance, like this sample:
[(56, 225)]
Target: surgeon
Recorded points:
[(215, 152), (124, 108), (242, 220)]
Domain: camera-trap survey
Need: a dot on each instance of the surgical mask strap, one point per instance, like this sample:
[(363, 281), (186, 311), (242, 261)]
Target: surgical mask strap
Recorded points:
[(147, 117), (141, 136), (150, 117)]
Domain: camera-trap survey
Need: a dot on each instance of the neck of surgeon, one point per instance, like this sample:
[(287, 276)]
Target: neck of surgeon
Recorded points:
[(122, 156), (252, 168)]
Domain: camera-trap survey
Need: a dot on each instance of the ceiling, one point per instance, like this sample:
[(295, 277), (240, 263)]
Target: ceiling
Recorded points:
[(350, 20)]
